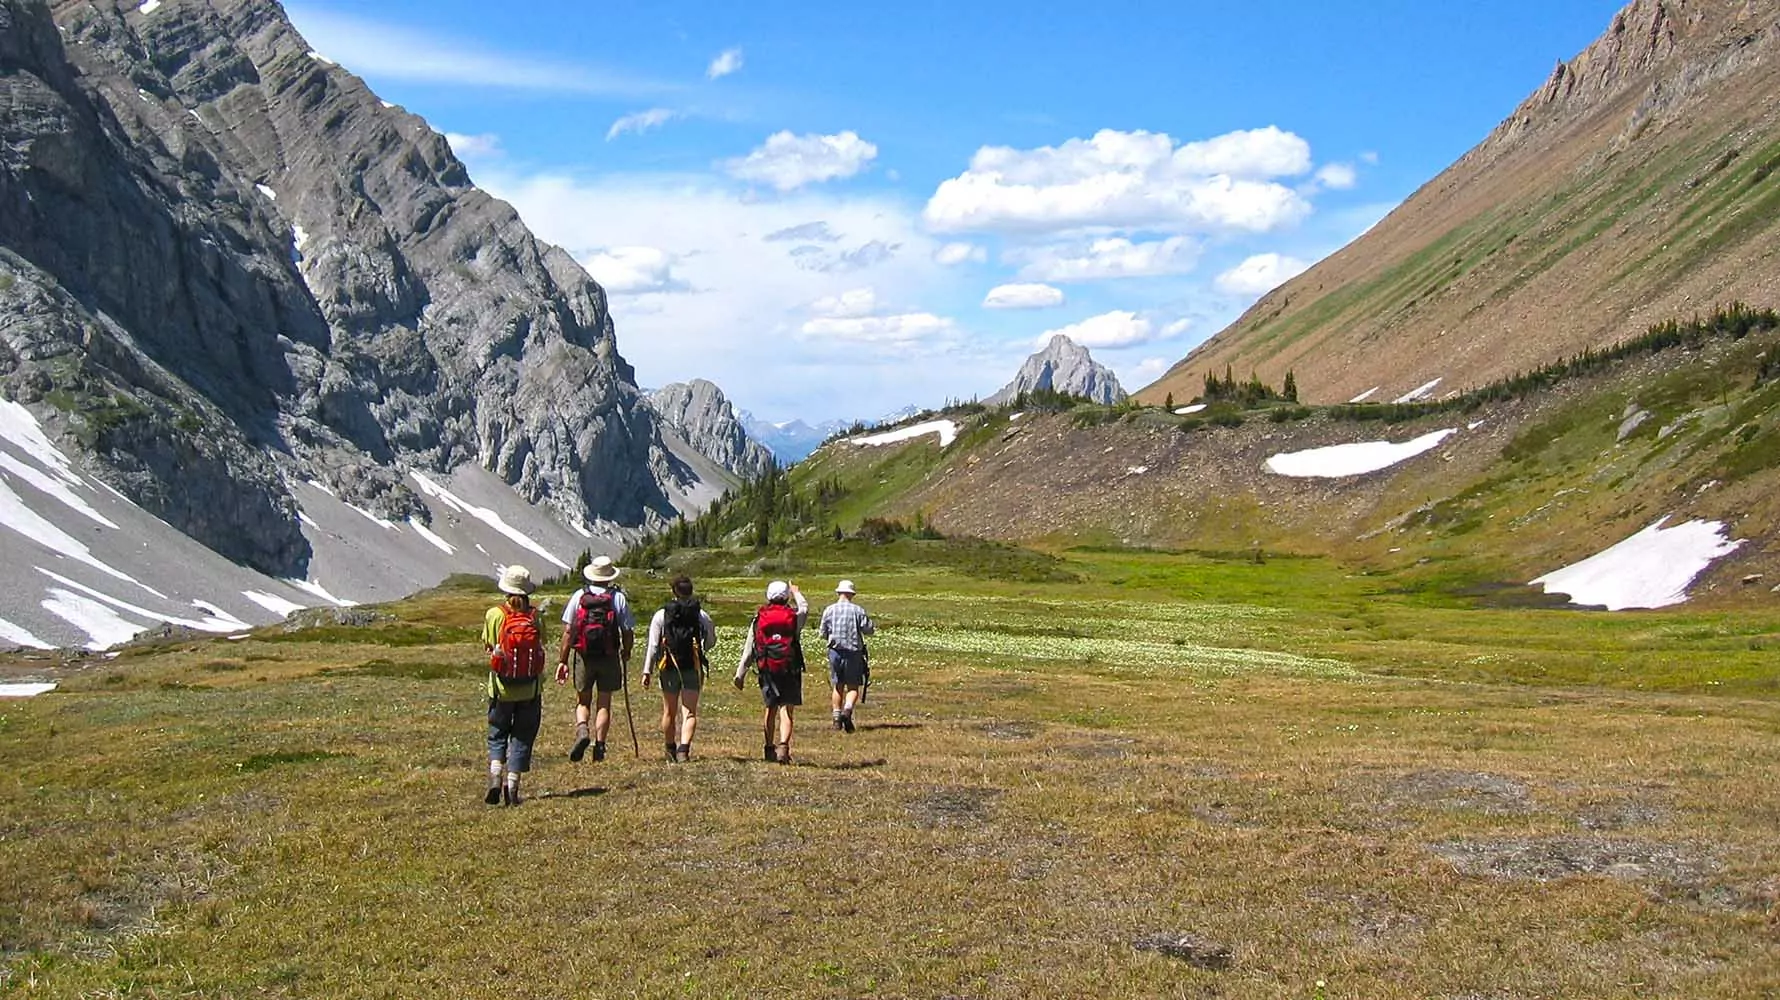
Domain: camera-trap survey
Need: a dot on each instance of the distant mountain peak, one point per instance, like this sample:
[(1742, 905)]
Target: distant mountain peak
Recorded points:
[(1063, 366)]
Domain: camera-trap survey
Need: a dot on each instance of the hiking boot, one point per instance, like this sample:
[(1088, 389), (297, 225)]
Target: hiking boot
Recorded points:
[(782, 753), (599, 751), (847, 722), (839, 724), (493, 797), (684, 753), (580, 748), (769, 754), (510, 795), (673, 753)]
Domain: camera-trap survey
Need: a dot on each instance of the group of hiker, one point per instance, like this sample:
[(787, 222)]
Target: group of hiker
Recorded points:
[(598, 635)]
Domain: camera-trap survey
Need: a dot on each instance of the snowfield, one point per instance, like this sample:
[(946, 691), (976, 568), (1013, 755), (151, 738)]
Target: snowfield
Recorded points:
[(1651, 569), (1356, 459), (947, 431)]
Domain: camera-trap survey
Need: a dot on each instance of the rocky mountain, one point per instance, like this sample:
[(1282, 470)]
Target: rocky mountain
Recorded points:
[(702, 416), (1641, 181), (236, 286), (790, 441), (1063, 366)]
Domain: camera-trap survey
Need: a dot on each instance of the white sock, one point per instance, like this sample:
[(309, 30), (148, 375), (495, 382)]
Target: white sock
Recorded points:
[(495, 768), (512, 779)]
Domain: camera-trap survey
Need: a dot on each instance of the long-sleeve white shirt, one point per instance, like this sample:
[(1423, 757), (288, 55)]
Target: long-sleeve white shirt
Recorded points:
[(652, 647)]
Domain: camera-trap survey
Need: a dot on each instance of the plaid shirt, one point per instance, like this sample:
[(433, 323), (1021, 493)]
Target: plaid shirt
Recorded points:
[(845, 624)]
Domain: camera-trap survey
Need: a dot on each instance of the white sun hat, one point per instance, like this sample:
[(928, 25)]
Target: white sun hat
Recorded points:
[(601, 570), (845, 587), (516, 579), (777, 590)]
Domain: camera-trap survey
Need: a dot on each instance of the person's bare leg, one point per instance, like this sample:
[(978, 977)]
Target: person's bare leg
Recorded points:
[(602, 716), (689, 715)]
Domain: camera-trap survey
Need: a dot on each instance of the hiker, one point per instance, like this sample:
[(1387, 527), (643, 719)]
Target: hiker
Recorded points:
[(599, 629), (681, 636), (845, 626), (512, 633), (775, 650)]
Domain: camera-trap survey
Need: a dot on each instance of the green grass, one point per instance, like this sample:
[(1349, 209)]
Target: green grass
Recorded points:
[(1283, 756)]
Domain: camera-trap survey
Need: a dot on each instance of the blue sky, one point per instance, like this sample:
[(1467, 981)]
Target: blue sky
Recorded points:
[(836, 210)]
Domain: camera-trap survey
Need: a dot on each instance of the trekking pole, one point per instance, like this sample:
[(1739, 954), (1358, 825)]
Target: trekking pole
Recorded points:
[(636, 748)]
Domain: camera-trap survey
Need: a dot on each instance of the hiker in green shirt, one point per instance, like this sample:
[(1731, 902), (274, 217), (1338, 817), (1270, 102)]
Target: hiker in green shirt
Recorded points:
[(512, 634)]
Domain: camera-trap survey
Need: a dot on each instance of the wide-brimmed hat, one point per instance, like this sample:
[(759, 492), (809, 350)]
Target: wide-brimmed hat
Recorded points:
[(777, 590), (601, 570), (845, 587), (516, 580)]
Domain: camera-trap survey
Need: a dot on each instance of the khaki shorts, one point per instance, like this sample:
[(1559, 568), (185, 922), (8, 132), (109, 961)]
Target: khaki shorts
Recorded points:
[(603, 673)]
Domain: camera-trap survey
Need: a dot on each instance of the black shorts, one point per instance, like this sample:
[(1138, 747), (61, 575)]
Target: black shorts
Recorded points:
[(778, 690)]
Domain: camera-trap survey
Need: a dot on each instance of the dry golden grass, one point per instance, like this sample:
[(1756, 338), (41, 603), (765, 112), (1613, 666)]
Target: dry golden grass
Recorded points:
[(1022, 806)]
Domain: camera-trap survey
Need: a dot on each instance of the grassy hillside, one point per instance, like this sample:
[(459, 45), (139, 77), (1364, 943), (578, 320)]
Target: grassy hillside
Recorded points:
[(1351, 788), (1592, 212)]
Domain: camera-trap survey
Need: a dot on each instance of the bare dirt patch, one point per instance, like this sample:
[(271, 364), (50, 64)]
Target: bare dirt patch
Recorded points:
[(956, 806), (1680, 868), (1491, 794)]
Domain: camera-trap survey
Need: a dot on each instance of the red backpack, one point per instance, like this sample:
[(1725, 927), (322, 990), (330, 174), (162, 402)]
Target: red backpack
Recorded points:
[(775, 638), (594, 631), (519, 652)]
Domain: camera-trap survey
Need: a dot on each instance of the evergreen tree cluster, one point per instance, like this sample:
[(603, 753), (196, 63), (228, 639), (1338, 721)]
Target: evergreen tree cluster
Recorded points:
[(1252, 392)]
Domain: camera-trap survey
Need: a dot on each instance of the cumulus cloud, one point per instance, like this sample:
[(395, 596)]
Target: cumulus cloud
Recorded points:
[(633, 270), (1129, 180), (1112, 257), (1113, 329), (1337, 176), (1023, 296), (953, 254), (897, 332), (807, 232), (1260, 274), (728, 61), (850, 304), (788, 161), (474, 147), (1146, 371), (641, 121), (1175, 329)]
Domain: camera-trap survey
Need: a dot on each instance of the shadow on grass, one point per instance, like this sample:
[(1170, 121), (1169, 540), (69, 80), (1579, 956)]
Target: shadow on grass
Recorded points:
[(578, 793), (873, 726), (845, 765)]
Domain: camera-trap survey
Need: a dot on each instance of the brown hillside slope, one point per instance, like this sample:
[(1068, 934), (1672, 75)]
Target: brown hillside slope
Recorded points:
[(1641, 182)]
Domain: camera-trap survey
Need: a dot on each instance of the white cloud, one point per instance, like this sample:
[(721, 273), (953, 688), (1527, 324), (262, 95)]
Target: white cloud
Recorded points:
[(1112, 257), (953, 254), (897, 332), (1144, 372), (850, 304), (1338, 176), (1176, 328), (728, 61), (1260, 274), (1369, 157), (641, 121), (1128, 180), (633, 270), (1114, 329), (788, 161), (1023, 297), (751, 291), (376, 48), (474, 147)]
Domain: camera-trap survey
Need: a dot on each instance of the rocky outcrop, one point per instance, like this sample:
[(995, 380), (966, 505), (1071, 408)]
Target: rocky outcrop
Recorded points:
[(225, 265), (1063, 366), (700, 414)]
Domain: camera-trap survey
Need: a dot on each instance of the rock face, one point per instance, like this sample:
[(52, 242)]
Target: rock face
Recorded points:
[(700, 413), (1637, 184), (791, 440), (226, 266), (1063, 366)]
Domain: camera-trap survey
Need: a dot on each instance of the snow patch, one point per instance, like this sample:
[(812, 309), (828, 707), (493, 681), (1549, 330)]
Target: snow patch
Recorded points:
[(311, 587), (270, 194), (18, 636), (1362, 397), (219, 621), (947, 431), (30, 690), (273, 603), (299, 236), (306, 519), (1651, 569), (1353, 459), (318, 484), (483, 514), (1185, 410), (386, 105), (16, 515), (1419, 392), (373, 518), (434, 540), (104, 627), (56, 488), (149, 7), (20, 427), (318, 57)]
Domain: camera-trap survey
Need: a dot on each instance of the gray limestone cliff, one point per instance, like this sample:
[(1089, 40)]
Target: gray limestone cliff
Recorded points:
[(700, 413), (1063, 366), (226, 265)]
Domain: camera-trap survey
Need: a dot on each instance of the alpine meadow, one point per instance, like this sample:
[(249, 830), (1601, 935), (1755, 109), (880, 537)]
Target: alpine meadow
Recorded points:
[(731, 502)]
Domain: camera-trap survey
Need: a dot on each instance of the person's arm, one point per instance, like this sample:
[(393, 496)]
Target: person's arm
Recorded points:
[(710, 629), (803, 608), (741, 667), (562, 655), (491, 628), (650, 645), (827, 619), (865, 625), (627, 626)]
